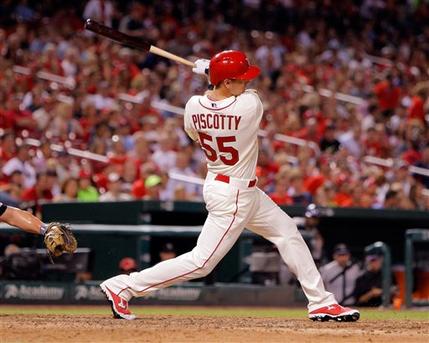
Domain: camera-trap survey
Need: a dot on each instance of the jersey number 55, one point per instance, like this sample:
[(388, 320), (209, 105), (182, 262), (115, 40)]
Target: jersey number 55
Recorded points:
[(218, 151)]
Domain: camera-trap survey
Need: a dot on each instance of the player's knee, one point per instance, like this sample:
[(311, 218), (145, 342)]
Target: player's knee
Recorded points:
[(285, 226), (287, 231), (205, 264), (280, 242), (291, 226), (198, 259), (204, 271)]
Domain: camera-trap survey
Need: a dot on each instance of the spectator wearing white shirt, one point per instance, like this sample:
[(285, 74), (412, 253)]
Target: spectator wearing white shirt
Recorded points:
[(21, 162), (351, 141), (63, 123), (42, 155), (164, 156), (43, 115), (187, 189), (269, 55), (102, 100), (70, 62), (114, 187)]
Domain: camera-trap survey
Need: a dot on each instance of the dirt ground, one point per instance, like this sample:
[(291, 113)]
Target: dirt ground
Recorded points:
[(97, 328)]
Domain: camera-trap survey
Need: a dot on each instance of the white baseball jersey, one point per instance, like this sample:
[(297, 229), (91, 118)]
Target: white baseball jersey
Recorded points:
[(227, 131)]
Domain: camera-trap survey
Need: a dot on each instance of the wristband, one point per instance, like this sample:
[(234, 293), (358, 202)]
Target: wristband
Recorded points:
[(43, 228), (3, 209)]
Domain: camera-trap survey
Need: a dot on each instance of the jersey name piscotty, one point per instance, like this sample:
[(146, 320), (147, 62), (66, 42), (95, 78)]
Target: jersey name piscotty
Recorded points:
[(216, 121)]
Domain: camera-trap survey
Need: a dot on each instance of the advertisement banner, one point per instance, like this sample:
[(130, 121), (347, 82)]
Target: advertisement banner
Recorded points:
[(33, 291), (24, 292)]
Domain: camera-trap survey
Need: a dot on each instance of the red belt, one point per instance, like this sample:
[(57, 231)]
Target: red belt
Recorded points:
[(226, 179)]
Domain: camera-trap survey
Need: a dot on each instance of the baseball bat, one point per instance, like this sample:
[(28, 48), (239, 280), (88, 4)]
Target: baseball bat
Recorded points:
[(132, 41)]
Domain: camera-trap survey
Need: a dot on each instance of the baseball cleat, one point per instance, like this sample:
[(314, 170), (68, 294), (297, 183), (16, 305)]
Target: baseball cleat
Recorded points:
[(119, 305), (334, 312)]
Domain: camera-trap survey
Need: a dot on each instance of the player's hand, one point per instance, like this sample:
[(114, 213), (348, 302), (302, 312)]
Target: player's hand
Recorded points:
[(59, 239), (201, 66)]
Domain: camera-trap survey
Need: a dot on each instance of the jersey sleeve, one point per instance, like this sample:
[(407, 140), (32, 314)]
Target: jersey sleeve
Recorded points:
[(253, 99), (188, 125)]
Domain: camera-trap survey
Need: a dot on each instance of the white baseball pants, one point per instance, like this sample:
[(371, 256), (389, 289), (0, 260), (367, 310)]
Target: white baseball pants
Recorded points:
[(232, 207)]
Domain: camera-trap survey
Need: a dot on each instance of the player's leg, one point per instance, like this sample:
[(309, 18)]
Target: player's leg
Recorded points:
[(227, 216), (271, 222)]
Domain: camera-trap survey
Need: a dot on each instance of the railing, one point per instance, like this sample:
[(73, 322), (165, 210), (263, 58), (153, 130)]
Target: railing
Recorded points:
[(390, 163), (71, 151), (413, 236), (337, 95), (68, 82)]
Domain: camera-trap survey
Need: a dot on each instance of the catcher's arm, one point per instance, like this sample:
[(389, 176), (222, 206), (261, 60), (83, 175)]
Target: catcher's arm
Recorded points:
[(58, 238), (21, 219)]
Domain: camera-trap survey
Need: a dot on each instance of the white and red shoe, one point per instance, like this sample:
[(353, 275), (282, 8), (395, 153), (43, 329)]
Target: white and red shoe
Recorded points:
[(334, 312), (119, 305)]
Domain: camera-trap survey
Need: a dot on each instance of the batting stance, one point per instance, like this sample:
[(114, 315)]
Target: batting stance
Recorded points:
[(225, 121), (57, 237)]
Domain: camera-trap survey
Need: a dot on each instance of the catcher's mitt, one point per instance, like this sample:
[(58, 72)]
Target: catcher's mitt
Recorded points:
[(59, 239)]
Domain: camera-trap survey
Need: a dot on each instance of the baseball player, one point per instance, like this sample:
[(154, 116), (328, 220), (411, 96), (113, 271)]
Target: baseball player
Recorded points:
[(57, 237), (225, 121)]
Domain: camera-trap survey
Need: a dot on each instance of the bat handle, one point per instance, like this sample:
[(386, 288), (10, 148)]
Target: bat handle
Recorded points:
[(169, 55)]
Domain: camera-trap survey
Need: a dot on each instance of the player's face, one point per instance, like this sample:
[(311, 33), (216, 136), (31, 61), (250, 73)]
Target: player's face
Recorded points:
[(236, 87)]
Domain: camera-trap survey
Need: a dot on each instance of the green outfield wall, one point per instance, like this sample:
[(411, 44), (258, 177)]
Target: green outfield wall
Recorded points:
[(354, 226)]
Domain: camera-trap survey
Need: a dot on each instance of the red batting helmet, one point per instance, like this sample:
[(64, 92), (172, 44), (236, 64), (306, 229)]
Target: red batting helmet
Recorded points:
[(231, 64)]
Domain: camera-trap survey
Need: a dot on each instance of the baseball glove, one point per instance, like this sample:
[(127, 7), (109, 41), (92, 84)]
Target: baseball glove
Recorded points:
[(59, 239)]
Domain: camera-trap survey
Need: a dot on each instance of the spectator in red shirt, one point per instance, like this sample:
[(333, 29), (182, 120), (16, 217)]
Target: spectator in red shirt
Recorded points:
[(42, 190), (138, 188), (140, 152), (7, 147), (279, 195), (372, 144), (388, 96), (416, 109), (15, 118), (118, 154)]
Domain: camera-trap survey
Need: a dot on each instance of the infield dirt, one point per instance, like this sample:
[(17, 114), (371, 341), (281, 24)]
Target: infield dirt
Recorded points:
[(97, 328)]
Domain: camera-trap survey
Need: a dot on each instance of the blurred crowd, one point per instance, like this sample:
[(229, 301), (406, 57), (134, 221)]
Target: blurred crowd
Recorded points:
[(82, 118)]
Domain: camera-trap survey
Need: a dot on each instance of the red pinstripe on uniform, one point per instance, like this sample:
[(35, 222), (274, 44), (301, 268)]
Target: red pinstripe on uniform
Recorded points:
[(192, 271)]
